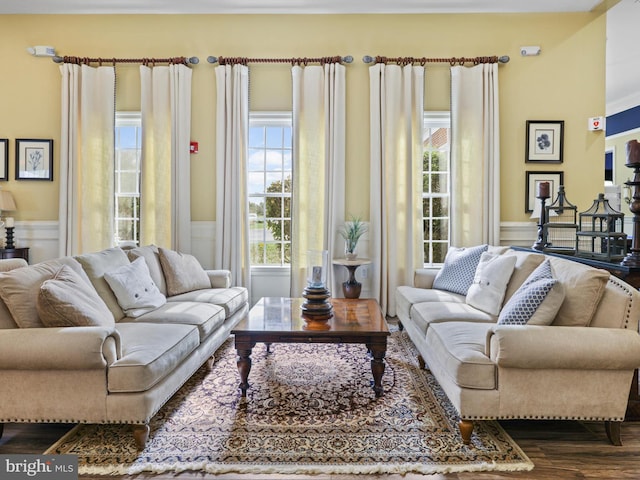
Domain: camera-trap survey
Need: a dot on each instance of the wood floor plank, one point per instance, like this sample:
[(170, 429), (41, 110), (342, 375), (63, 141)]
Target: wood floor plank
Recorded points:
[(561, 450)]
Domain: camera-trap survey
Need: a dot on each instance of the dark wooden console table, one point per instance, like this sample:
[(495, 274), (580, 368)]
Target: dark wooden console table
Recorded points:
[(631, 275), (15, 253)]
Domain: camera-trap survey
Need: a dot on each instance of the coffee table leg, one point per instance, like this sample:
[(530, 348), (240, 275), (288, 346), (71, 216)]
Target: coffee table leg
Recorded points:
[(378, 351), (243, 348)]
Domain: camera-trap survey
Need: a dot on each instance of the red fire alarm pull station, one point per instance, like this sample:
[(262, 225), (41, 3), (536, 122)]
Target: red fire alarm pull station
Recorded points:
[(193, 147)]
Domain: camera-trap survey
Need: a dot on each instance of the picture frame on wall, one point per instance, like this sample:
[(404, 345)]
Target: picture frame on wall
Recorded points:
[(533, 179), (34, 159), (4, 159), (545, 141)]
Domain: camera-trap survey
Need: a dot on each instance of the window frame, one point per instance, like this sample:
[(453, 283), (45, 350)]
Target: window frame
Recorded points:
[(276, 119), (436, 119), (127, 118)]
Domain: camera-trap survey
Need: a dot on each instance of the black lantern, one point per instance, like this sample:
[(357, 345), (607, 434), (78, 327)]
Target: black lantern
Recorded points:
[(601, 234), (560, 227)]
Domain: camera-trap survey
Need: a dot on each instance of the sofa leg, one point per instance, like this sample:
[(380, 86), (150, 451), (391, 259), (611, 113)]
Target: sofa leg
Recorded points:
[(1, 429), (400, 326), (210, 361), (141, 435), (466, 429), (421, 363), (613, 432)]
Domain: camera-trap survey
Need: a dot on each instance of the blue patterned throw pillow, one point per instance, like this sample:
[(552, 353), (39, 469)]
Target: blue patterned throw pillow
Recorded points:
[(460, 264), (536, 302)]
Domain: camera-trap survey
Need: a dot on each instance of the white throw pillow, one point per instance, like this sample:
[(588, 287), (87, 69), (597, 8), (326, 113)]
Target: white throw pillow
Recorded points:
[(460, 264), (490, 282), (132, 285), (536, 302)]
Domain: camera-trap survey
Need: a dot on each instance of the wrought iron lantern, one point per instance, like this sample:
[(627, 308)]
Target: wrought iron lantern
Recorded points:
[(560, 228), (601, 234)]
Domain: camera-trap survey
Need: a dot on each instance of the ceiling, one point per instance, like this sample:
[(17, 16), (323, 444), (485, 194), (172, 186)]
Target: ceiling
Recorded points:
[(294, 6), (623, 48)]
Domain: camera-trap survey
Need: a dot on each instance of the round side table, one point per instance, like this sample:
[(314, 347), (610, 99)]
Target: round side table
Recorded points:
[(351, 288)]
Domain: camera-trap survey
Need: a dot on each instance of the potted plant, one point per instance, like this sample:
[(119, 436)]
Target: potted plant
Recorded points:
[(351, 232)]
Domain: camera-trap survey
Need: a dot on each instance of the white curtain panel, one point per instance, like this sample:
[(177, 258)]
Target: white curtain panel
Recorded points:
[(86, 159), (475, 156), (232, 201), (318, 167), (395, 231), (165, 193)]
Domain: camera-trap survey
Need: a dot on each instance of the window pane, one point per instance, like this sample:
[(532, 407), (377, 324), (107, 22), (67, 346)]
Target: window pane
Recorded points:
[(256, 137), (126, 207), (440, 207), (274, 137), (128, 182), (274, 160), (438, 183), (128, 159), (256, 182), (274, 182), (440, 251), (440, 229), (255, 160), (127, 137), (273, 207)]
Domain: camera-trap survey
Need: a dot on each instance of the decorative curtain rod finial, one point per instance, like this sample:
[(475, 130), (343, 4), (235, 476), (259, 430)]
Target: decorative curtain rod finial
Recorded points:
[(347, 59), (368, 59), (212, 59)]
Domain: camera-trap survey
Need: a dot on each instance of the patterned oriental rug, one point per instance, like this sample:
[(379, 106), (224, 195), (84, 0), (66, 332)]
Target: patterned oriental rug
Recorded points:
[(310, 409)]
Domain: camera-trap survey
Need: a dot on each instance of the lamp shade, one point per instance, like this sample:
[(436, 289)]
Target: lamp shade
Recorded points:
[(6, 201)]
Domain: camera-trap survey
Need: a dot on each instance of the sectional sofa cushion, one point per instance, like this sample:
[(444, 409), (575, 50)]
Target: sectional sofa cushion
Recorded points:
[(526, 263), (66, 300), (19, 288), (149, 354), (490, 282), (96, 265), (182, 272), (205, 316), (428, 313), (460, 348), (459, 268), (231, 299), (134, 288)]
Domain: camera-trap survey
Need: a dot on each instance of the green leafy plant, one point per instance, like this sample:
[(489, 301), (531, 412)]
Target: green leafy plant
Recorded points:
[(351, 232)]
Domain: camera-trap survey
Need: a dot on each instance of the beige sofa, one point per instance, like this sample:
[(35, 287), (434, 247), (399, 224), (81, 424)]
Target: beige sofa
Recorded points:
[(576, 362), (92, 362)]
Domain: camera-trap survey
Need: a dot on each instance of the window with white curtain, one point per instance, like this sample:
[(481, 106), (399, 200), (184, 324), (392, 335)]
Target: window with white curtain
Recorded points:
[(269, 170), (128, 148), (436, 186)]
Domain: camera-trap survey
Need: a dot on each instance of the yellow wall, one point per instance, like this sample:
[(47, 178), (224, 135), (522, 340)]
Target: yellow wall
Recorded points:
[(566, 82)]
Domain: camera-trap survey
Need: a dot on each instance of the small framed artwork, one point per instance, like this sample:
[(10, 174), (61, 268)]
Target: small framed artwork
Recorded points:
[(4, 159), (34, 159), (544, 141), (532, 187)]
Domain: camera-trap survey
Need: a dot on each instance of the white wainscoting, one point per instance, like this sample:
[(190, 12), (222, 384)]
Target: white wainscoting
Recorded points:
[(42, 239)]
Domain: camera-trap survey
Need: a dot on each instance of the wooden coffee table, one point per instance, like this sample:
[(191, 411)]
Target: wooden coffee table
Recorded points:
[(279, 320)]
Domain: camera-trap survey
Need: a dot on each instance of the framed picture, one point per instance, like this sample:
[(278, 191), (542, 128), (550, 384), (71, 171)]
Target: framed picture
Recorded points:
[(534, 179), (34, 159), (4, 159), (544, 141)]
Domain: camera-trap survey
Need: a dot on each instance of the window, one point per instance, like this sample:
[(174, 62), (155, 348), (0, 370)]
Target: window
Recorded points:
[(128, 147), (436, 186), (269, 171)]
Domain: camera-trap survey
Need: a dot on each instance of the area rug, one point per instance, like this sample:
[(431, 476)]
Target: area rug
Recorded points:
[(310, 409)]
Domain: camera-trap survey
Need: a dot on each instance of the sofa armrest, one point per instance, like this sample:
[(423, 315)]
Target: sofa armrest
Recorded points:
[(587, 348), (219, 278), (8, 264), (65, 348), (424, 277)]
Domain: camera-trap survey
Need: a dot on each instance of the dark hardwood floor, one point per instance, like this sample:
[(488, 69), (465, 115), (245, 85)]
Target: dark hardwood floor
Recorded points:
[(559, 449)]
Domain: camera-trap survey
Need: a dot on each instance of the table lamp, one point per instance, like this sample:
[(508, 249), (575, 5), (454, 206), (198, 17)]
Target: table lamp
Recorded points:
[(7, 204)]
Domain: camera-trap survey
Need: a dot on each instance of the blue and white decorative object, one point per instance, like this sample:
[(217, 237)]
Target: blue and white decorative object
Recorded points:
[(316, 309)]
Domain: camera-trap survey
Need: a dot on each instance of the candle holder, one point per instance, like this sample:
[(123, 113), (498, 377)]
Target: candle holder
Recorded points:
[(9, 242), (316, 309), (542, 195)]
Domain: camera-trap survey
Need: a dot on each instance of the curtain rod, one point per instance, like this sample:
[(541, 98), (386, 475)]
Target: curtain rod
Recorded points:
[(143, 61), (293, 61), (423, 60)]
